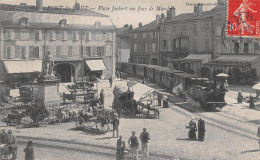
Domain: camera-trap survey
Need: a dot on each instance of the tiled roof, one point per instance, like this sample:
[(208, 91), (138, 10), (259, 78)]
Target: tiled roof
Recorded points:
[(197, 56), (150, 26), (29, 8), (238, 58)]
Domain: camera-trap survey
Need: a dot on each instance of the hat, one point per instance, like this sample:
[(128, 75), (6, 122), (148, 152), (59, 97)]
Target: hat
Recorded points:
[(30, 142), (115, 114)]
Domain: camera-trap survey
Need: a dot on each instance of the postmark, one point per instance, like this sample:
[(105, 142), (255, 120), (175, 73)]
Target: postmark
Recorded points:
[(243, 18)]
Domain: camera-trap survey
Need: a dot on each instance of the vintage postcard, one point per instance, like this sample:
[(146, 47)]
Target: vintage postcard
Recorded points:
[(138, 79)]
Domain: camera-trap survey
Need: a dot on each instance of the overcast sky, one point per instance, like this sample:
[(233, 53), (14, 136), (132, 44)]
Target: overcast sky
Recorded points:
[(119, 18)]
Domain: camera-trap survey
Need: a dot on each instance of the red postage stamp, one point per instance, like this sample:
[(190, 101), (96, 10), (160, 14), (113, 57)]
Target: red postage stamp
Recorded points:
[(243, 18)]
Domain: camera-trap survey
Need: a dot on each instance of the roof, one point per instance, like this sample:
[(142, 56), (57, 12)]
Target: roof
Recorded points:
[(11, 15), (123, 30), (150, 26), (30, 8), (197, 56), (230, 58)]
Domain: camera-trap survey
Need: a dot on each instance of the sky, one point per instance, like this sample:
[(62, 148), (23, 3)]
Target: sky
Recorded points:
[(125, 16)]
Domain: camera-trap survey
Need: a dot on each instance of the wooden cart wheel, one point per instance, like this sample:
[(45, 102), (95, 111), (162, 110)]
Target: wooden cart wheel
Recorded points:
[(80, 123), (102, 126), (90, 123), (43, 120)]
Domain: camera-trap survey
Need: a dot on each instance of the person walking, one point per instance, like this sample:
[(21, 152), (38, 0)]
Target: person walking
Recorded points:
[(134, 145), (120, 149), (115, 123), (159, 99), (29, 151), (11, 144), (201, 129), (239, 97), (3, 137), (102, 97), (193, 129), (251, 102), (144, 138), (110, 81)]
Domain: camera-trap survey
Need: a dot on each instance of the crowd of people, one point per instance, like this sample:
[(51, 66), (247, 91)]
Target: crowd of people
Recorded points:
[(133, 144), (9, 146)]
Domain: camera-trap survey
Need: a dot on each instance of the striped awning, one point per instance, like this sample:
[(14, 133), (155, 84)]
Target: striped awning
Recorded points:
[(23, 66), (96, 64)]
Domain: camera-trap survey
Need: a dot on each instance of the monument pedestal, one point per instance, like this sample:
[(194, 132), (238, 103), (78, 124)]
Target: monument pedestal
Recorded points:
[(48, 95)]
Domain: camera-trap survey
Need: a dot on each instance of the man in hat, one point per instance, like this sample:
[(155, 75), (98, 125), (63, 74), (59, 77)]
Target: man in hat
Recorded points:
[(201, 129), (29, 151), (3, 137), (102, 97), (11, 143), (144, 138), (120, 149), (115, 123), (134, 145)]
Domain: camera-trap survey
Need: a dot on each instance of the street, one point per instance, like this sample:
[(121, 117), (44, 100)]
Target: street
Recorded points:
[(228, 137)]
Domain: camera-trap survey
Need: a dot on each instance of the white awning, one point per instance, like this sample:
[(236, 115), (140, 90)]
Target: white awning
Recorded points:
[(23, 66), (141, 91), (96, 64)]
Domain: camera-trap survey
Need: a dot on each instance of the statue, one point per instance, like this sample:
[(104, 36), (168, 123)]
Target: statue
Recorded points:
[(48, 64)]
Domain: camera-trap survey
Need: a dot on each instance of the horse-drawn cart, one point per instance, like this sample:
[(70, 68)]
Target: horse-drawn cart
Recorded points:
[(98, 118)]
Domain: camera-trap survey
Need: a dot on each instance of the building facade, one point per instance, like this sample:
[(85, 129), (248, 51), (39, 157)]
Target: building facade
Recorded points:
[(185, 34), (123, 43), (145, 43), (72, 37)]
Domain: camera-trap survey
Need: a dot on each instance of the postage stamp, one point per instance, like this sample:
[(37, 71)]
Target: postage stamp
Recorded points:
[(243, 18)]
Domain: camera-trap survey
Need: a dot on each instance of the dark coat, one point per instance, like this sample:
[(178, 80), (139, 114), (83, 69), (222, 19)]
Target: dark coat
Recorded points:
[(29, 153), (201, 129), (251, 103), (120, 149)]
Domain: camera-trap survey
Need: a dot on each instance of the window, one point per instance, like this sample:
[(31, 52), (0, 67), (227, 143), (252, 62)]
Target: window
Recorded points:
[(184, 43), (10, 35), (246, 48), (195, 46), (174, 29), (177, 43), (75, 50), (88, 51), (145, 47), (154, 47), (88, 36), (23, 52), (52, 35), (164, 29), (109, 36), (144, 35), (256, 47), (250, 46), (36, 53), (100, 51), (94, 51), (236, 47), (218, 31), (153, 35), (206, 26), (75, 36), (64, 51), (9, 52), (108, 50), (173, 44), (37, 35), (227, 47), (165, 44), (25, 34), (183, 28), (135, 47), (135, 35), (206, 44), (99, 36), (194, 28), (64, 35), (63, 23), (23, 21), (52, 50), (219, 47)]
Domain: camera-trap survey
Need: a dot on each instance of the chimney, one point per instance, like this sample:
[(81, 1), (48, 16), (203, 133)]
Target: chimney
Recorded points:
[(140, 24), (162, 17), (39, 5), (172, 12), (23, 4), (158, 19), (198, 8), (131, 27), (77, 6), (221, 3), (126, 25)]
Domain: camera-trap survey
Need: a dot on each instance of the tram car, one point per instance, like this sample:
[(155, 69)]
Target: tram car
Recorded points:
[(140, 70), (130, 68), (150, 72), (168, 75)]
